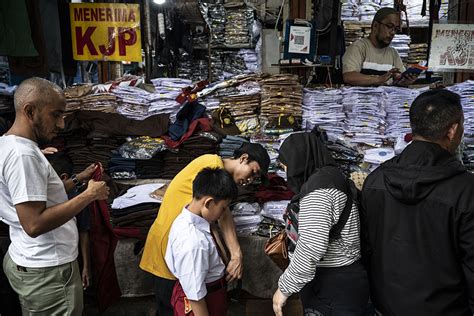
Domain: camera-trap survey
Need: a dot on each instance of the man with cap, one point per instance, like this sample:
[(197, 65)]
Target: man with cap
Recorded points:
[(371, 61), (250, 161)]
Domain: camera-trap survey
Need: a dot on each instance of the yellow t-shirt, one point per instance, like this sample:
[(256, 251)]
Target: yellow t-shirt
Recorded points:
[(177, 196)]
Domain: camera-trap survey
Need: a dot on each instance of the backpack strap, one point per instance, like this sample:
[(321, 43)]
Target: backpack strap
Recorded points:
[(335, 232)]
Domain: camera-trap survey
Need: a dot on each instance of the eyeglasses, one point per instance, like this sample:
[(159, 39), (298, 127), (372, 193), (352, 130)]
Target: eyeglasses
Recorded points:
[(392, 28)]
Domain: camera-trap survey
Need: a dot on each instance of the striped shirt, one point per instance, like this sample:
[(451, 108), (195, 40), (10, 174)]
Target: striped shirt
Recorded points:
[(319, 211)]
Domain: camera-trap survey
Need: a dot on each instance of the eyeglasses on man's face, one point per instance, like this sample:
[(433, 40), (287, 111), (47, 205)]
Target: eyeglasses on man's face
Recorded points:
[(391, 27)]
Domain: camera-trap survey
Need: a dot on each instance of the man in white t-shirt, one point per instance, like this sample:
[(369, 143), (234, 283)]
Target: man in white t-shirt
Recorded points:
[(41, 261)]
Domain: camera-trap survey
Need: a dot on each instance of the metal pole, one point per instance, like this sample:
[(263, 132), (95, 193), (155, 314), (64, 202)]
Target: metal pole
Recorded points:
[(148, 45)]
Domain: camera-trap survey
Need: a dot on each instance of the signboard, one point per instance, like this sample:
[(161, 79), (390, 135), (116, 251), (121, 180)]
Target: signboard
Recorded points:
[(105, 31), (299, 39), (452, 47)]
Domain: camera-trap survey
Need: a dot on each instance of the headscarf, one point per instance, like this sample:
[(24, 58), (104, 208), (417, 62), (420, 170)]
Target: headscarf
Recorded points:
[(303, 154)]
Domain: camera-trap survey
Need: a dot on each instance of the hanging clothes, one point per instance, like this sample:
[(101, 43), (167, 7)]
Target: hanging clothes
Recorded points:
[(103, 243)]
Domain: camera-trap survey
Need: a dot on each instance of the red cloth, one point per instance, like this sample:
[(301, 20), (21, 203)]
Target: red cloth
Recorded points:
[(199, 125), (276, 190), (103, 243), (216, 300)]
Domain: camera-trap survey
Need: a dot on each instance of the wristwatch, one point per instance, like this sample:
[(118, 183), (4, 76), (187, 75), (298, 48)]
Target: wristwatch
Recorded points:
[(78, 184)]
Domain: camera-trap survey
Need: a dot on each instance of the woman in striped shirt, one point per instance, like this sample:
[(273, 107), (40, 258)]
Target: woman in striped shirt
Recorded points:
[(325, 271)]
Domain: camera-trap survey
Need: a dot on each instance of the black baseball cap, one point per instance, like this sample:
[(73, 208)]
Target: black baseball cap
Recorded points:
[(257, 153)]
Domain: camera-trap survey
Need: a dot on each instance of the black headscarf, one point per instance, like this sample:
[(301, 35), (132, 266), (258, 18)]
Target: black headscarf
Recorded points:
[(303, 154)]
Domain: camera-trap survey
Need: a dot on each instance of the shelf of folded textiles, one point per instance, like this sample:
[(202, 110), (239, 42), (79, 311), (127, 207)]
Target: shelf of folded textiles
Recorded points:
[(141, 181), (301, 66)]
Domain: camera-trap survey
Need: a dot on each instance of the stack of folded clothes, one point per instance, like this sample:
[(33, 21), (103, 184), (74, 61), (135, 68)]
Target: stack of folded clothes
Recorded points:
[(354, 31), (163, 100), (237, 28), (83, 98), (281, 105), (323, 108), (417, 53), (150, 168), (137, 207), (366, 116), (121, 168), (271, 143), (198, 144), (132, 102), (243, 109), (246, 217), (84, 151), (401, 43), (275, 210), (229, 144)]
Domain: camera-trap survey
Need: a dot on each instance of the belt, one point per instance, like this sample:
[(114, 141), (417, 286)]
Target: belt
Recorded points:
[(216, 285)]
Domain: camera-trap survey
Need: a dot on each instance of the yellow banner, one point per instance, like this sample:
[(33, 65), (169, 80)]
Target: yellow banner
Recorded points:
[(106, 31)]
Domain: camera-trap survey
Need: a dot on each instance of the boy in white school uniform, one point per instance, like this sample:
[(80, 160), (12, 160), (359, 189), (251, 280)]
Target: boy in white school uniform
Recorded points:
[(192, 255)]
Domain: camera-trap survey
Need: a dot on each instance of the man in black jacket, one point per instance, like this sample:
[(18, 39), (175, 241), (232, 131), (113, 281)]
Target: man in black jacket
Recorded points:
[(419, 218)]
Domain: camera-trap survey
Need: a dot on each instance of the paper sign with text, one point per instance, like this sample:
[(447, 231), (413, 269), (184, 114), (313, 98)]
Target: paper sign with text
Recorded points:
[(452, 47), (106, 31)]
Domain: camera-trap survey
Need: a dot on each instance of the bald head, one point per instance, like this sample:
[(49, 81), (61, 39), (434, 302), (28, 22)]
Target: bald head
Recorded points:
[(36, 90)]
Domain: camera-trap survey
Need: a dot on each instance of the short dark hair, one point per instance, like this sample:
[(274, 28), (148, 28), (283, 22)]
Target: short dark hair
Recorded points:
[(216, 183), (256, 152), (382, 13), (433, 112), (61, 163)]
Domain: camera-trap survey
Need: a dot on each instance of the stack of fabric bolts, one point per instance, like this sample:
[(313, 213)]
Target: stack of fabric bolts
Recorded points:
[(281, 108)]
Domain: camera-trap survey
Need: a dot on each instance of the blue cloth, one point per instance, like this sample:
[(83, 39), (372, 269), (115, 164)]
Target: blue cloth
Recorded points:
[(188, 113)]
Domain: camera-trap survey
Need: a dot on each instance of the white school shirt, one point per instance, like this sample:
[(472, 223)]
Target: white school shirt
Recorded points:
[(192, 256), (27, 176)]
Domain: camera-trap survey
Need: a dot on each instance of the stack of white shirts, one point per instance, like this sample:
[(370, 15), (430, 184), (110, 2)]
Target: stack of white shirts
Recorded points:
[(366, 116), (466, 91), (350, 10), (251, 59), (162, 101), (132, 102), (367, 9), (323, 108), (275, 210), (398, 105), (401, 43), (246, 217)]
